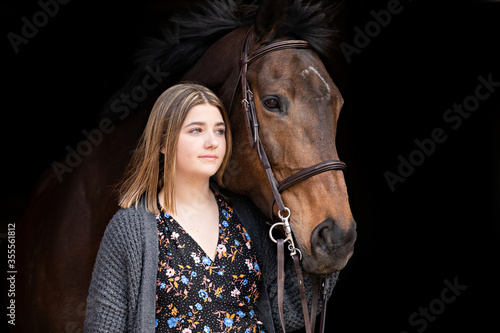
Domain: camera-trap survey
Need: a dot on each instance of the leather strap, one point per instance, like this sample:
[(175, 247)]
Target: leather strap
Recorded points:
[(281, 280), (323, 308), (301, 175), (314, 305), (287, 44), (302, 293), (309, 319), (309, 172)]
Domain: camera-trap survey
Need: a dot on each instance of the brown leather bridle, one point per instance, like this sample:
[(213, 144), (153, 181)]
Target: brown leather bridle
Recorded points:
[(252, 125)]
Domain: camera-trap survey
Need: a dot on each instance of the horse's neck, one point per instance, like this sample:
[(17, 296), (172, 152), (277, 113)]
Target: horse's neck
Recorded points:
[(218, 68)]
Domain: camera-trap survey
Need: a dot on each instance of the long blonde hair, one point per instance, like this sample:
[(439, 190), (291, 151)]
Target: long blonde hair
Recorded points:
[(149, 170)]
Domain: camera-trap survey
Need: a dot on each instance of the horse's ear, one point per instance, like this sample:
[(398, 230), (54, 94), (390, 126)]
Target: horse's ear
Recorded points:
[(270, 16)]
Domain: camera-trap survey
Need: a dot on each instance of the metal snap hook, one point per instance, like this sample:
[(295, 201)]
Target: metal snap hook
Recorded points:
[(293, 251)]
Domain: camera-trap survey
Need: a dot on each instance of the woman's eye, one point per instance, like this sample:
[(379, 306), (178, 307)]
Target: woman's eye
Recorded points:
[(272, 104), (195, 130), (221, 131)]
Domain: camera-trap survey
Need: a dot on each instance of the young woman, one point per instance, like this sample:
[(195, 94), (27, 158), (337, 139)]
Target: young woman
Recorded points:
[(177, 257)]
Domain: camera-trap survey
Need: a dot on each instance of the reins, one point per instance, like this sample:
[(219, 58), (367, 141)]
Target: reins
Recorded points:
[(284, 213)]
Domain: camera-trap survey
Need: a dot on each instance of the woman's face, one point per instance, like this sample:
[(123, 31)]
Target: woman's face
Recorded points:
[(202, 143)]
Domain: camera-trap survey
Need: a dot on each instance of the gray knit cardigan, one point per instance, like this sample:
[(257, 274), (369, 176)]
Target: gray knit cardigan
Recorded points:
[(122, 292)]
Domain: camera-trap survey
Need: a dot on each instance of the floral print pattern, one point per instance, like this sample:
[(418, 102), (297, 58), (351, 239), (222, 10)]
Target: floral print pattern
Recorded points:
[(195, 294)]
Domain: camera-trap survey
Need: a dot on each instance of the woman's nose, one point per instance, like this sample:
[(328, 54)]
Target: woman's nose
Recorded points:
[(211, 141)]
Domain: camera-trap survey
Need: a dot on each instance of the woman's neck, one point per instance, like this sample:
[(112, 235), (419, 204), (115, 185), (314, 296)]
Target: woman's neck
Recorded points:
[(190, 192), (197, 212)]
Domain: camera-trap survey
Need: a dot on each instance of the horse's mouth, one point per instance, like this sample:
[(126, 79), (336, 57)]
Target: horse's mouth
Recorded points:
[(327, 265)]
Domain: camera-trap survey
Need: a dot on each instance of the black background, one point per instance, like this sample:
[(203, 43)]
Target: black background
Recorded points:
[(441, 223)]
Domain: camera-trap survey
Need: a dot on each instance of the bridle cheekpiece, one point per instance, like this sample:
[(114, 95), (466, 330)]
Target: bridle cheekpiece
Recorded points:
[(252, 125)]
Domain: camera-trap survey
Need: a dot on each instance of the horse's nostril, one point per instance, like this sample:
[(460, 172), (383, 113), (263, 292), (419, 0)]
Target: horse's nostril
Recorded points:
[(323, 237), (326, 234), (328, 237)]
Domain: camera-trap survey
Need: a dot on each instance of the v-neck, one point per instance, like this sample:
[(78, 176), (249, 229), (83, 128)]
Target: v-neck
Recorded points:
[(171, 219), (191, 287)]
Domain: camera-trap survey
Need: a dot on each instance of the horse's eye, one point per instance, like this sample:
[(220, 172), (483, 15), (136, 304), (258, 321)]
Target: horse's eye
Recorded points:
[(272, 104)]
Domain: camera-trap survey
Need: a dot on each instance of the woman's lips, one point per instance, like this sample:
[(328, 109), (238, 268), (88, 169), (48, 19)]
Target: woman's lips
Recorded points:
[(208, 157)]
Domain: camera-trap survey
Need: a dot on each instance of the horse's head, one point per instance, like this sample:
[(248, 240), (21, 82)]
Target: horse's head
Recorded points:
[(297, 106)]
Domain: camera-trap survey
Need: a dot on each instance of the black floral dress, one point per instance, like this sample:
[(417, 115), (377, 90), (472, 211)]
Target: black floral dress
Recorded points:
[(195, 294)]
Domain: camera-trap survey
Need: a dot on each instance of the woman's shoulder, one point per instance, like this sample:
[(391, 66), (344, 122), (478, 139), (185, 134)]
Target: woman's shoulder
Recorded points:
[(134, 211), (130, 220)]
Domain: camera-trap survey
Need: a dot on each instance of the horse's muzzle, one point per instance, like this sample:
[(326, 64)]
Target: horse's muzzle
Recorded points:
[(331, 248)]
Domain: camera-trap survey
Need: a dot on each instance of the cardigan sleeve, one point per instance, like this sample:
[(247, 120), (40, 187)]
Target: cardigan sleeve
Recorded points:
[(255, 221), (114, 289)]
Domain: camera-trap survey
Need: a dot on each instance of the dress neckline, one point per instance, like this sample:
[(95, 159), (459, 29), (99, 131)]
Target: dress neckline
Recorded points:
[(167, 218)]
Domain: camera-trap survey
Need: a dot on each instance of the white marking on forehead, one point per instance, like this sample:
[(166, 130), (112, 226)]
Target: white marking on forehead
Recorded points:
[(329, 96), (304, 73)]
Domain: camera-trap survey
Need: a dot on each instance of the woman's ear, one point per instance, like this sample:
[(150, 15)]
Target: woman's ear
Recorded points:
[(270, 16), (162, 150)]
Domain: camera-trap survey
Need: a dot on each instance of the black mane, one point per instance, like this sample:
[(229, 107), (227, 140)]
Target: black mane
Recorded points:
[(186, 36)]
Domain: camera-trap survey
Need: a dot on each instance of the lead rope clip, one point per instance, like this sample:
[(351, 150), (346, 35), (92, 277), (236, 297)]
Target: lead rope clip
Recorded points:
[(288, 233)]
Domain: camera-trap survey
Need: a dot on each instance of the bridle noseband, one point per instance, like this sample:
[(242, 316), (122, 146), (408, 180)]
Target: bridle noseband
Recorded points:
[(252, 125)]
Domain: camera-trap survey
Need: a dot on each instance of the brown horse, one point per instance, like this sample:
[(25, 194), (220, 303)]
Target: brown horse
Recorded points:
[(296, 103)]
